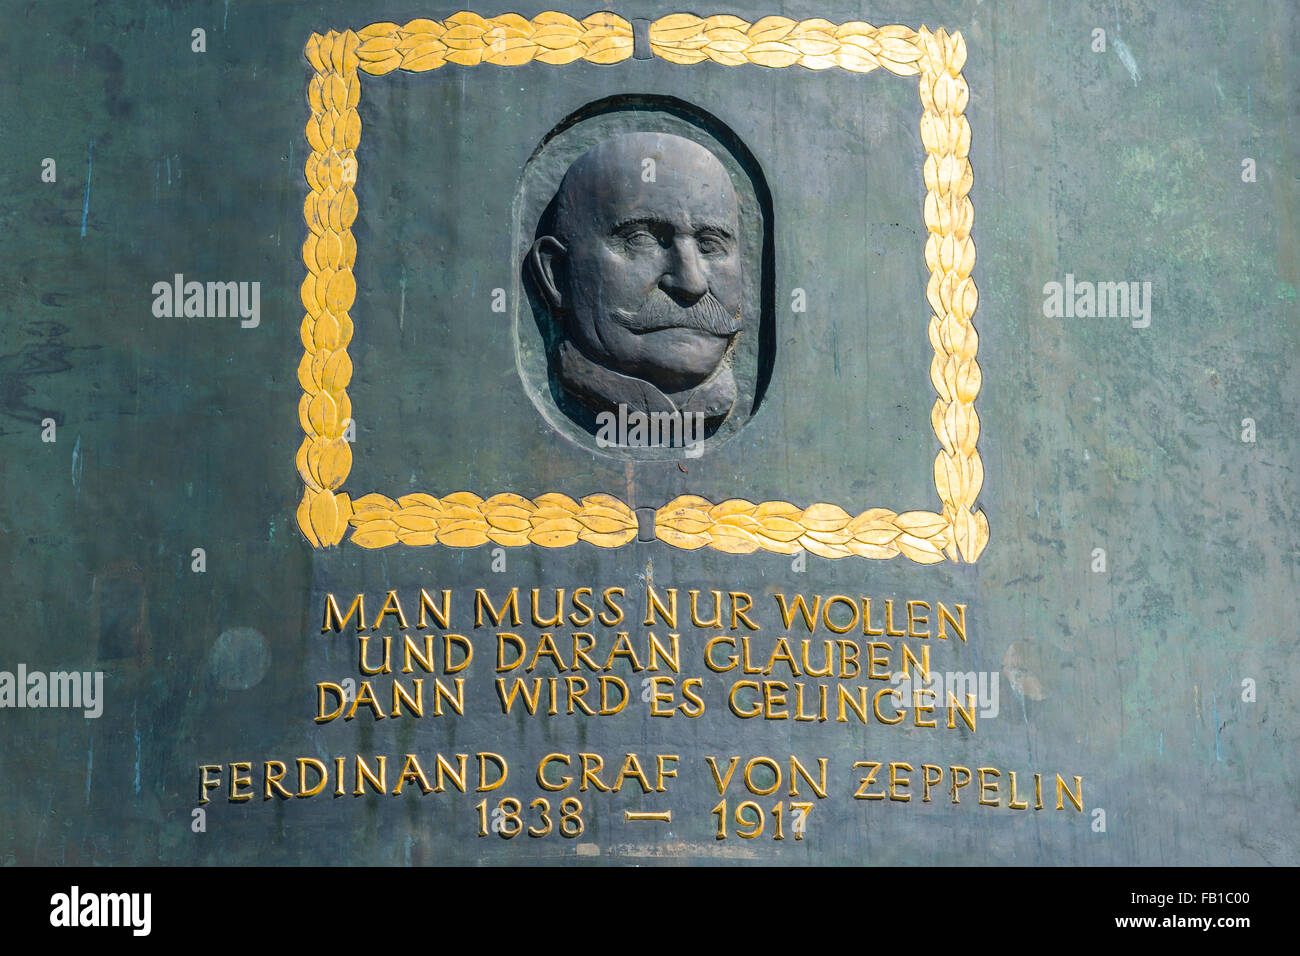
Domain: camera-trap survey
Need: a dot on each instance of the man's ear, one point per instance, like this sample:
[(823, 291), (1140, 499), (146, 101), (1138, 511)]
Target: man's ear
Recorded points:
[(546, 258)]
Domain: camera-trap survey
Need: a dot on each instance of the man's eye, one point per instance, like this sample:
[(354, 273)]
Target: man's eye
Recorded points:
[(711, 245), (641, 239)]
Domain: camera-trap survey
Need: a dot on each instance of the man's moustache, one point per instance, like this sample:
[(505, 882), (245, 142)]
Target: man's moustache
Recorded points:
[(661, 312)]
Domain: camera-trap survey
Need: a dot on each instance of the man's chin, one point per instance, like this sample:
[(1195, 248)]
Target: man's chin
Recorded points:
[(681, 358)]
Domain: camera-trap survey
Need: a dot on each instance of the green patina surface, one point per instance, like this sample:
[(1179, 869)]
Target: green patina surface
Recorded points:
[(175, 434)]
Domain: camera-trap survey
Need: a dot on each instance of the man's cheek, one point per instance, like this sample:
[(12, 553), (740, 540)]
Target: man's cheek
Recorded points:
[(727, 290)]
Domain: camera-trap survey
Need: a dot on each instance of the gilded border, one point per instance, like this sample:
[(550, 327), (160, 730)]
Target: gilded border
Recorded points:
[(324, 459)]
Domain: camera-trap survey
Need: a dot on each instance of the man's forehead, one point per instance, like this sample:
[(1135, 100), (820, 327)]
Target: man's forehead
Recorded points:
[(651, 176), (695, 210)]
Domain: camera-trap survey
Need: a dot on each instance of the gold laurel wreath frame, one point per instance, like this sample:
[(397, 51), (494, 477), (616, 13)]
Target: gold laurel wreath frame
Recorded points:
[(736, 526)]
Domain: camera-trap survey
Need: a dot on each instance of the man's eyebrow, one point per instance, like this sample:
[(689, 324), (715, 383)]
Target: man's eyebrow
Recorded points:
[(639, 221), (709, 225)]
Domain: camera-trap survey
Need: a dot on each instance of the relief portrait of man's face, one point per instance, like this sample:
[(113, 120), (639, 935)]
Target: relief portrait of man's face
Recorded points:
[(640, 265)]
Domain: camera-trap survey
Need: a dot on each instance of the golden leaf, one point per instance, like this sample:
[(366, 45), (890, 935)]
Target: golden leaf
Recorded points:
[(372, 504), (424, 62), (347, 205), (975, 480), (897, 31), (313, 54), (553, 537), (965, 533), (610, 50), (822, 550), (456, 512), (561, 57), (856, 62), (607, 501), (947, 480), (552, 17), (422, 510), (510, 523), (557, 36), (918, 549), (922, 524), (813, 45), (829, 537), (603, 19), (335, 463), (323, 415), (379, 68), (378, 30), (324, 517), (817, 62), (747, 522), (679, 539), (507, 512), (624, 517), (338, 371), (898, 69), (511, 52), (374, 48), (686, 525), (423, 27), (854, 29), (341, 292), (688, 501), (414, 522), (732, 38), (462, 537), (773, 54), (554, 500), (779, 528), (418, 539), (824, 517), (687, 514), (733, 540), (466, 57), (465, 36), (675, 27), (956, 52), (771, 28), (602, 525), (878, 552), (304, 520), (867, 46), (306, 377), (879, 537), (508, 499), (732, 506), (778, 545), (379, 538), (607, 540), (968, 381), (420, 500), (462, 498), (300, 461), (979, 538)]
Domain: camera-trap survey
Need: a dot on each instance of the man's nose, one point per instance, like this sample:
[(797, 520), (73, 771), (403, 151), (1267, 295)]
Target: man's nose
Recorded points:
[(685, 278)]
